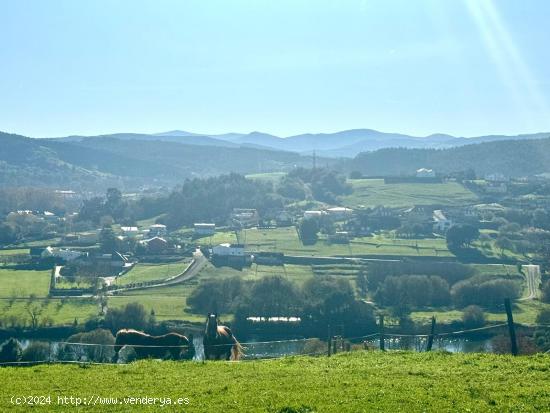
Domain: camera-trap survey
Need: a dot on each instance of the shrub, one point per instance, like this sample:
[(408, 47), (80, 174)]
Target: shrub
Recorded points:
[(10, 351), (473, 317), (36, 351)]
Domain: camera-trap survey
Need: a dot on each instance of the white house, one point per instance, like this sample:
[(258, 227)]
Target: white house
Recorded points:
[(228, 250), (425, 173), (340, 212), (130, 231), (440, 222), (204, 228), (313, 214), (495, 177), (66, 254), (157, 230), (245, 217)]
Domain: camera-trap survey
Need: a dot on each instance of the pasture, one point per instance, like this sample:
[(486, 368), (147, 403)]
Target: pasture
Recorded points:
[(50, 311), (24, 283), (374, 192), (152, 272), (286, 240), (525, 312), (348, 382)]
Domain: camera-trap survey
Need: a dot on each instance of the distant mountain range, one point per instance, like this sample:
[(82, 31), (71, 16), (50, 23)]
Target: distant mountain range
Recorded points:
[(130, 160), (347, 143)]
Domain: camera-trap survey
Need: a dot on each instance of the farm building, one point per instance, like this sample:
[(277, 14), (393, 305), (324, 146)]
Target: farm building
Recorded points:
[(155, 245), (440, 222), (204, 228), (228, 250), (130, 231), (245, 217), (65, 254), (157, 230), (340, 212), (425, 173), (313, 214)]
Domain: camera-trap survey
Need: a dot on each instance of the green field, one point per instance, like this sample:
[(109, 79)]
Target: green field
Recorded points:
[(268, 176), (348, 382), (55, 311), (23, 283), (286, 240), (169, 302), (152, 272), (525, 312), (373, 192), (16, 251)]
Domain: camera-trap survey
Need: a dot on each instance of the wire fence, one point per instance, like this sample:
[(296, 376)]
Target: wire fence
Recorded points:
[(111, 353)]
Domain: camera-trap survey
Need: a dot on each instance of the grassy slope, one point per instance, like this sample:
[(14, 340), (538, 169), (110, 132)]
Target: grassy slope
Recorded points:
[(373, 192), (353, 382), (286, 240), (23, 283), (152, 272)]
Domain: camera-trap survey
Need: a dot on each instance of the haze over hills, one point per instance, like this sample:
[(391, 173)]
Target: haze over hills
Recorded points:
[(346, 143), (128, 160)]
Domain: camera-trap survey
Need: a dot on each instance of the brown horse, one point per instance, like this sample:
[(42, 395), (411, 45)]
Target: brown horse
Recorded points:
[(172, 345), (219, 342)]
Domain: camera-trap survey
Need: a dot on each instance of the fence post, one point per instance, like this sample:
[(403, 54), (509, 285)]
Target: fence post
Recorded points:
[(511, 328), (431, 336), (329, 339), (381, 326), (334, 344)]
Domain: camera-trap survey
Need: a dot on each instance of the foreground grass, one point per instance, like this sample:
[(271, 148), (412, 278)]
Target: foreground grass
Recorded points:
[(352, 382)]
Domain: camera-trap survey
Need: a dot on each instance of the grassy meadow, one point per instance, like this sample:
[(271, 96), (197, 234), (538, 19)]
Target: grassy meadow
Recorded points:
[(348, 382), (24, 283), (286, 240), (152, 272), (374, 192)]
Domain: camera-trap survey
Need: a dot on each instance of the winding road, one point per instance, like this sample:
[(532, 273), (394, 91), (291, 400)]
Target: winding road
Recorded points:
[(532, 276), (197, 264)]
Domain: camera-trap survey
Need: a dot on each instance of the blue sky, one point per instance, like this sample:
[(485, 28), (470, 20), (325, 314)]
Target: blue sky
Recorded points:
[(283, 67)]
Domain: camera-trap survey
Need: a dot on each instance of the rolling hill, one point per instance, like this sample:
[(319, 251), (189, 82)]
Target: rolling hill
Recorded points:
[(127, 161), (346, 143), (514, 158)]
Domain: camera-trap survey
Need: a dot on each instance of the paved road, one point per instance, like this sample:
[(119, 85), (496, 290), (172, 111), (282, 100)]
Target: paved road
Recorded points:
[(197, 264), (532, 276)]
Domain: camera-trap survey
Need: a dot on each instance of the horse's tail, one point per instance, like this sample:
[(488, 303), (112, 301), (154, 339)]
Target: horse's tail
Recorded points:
[(237, 350)]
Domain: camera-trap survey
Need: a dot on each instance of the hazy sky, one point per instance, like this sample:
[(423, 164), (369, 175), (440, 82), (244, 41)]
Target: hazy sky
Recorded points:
[(283, 67)]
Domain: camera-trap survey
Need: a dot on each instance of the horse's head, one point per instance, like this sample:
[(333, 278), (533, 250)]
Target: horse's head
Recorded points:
[(211, 323)]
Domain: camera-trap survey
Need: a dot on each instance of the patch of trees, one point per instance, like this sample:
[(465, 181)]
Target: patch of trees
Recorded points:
[(320, 301), (461, 236), (450, 272), (308, 229), (132, 315), (214, 199), (326, 185), (413, 291), (112, 205), (485, 293)]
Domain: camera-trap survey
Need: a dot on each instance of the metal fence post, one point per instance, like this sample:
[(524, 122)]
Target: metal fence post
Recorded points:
[(511, 327)]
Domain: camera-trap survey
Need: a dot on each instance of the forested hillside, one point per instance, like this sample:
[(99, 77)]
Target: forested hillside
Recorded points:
[(98, 163), (511, 158)]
